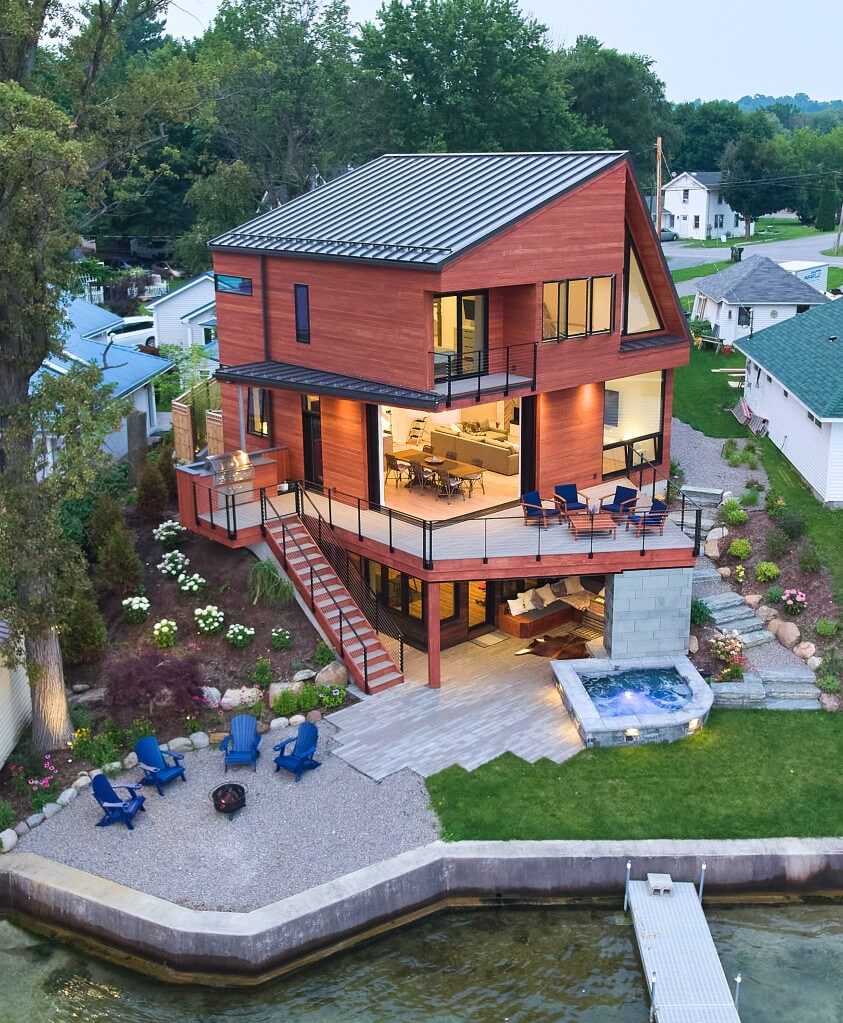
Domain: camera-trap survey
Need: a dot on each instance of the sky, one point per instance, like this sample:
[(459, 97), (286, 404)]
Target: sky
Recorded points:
[(786, 52)]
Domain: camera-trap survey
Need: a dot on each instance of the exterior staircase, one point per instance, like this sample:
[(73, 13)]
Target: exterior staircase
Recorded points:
[(768, 689), (731, 614), (361, 649)]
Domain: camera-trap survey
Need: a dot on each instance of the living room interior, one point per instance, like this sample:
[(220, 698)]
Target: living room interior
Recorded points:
[(447, 464)]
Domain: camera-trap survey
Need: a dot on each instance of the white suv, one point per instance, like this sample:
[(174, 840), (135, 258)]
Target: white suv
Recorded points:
[(135, 330)]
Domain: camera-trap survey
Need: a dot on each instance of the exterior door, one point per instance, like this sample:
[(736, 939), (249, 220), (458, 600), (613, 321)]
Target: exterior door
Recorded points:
[(481, 605), (311, 417), (459, 335)]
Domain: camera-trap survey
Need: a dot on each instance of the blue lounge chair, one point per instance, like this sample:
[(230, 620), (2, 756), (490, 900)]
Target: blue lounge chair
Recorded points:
[(113, 807), (622, 504), (241, 744), (654, 518), (568, 499), (301, 759), (153, 762), (535, 511)]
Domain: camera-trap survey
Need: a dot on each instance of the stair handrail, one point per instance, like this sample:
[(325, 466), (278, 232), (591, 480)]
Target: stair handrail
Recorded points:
[(646, 466), (266, 502), (354, 580)]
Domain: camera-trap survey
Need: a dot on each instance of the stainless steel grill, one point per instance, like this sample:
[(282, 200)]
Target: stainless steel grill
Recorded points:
[(233, 472)]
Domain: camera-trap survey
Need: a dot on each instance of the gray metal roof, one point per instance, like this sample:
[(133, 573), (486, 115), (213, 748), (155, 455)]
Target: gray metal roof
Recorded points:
[(758, 279), (417, 209)]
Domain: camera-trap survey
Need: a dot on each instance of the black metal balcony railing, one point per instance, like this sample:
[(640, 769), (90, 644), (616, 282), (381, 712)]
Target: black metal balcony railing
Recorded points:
[(464, 373)]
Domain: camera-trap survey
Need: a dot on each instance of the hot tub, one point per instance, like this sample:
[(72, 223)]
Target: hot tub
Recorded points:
[(615, 703)]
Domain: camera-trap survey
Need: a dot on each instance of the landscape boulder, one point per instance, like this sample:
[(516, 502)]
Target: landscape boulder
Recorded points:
[(245, 695), (115, 767), (34, 820), (63, 798), (712, 549), (8, 840), (787, 633), (297, 719), (693, 645), (82, 782), (50, 810), (21, 829), (80, 687), (276, 724), (130, 760), (333, 674), (181, 744), (305, 675), (805, 650), (314, 716), (211, 696), (753, 600), (200, 740), (765, 613), (724, 572), (718, 533), (276, 688), (91, 698), (814, 662)]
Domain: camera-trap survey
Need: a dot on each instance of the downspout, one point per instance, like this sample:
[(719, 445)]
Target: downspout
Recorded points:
[(264, 310)]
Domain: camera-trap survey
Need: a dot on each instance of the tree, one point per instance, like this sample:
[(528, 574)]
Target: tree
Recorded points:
[(753, 172), (152, 493), (828, 210), (459, 75), (703, 130), (119, 569), (70, 152)]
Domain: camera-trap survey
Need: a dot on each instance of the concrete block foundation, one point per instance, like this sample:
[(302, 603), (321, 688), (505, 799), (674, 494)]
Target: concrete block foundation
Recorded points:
[(648, 612)]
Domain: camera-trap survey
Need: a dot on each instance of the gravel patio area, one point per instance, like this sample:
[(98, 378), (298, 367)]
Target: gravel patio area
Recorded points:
[(704, 466), (288, 838)]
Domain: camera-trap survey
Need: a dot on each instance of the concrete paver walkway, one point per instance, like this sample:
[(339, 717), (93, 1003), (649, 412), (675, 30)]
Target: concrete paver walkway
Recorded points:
[(501, 703)]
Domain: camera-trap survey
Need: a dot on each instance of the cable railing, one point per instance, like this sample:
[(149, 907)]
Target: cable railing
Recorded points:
[(344, 629), (687, 506), (218, 505), (457, 370)]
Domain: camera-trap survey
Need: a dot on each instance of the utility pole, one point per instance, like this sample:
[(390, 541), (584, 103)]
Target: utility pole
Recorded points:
[(839, 230), (659, 186)]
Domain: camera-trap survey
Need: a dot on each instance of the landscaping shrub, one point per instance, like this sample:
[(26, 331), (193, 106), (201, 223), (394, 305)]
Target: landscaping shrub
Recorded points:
[(100, 748), (773, 505), (82, 634), (255, 709), (191, 584), (164, 633), (700, 615), (778, 543), (754, 485), (767, 571), (262, 674), (323, 655), (173, 564), (809, 558), (167, 468), (209, 620), (774, 595), (749, 498), (105, 515), (749, 458), (828, 684), (152, 493), (240, 636), (169, 534), (832, 664), (826, 627), (136, 609), (120, 570), (285, 704), (281, 639), (267, 585), (792, 523), (153, 678), (308, 699), (794, 602), (79, 717), (677, 473), (730, 448), (740, 549), (7, 814), (331, 697), (732, 513)]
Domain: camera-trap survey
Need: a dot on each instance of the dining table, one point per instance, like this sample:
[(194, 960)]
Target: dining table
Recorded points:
[(456, 469)]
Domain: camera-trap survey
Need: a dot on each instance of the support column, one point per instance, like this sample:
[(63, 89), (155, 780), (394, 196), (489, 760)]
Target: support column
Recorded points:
[(431, 617), (242, 415), (648, 612)]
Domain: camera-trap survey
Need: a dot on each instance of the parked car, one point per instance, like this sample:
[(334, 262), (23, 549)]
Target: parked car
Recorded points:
[(169, 273), (667, 235), (135, 330)]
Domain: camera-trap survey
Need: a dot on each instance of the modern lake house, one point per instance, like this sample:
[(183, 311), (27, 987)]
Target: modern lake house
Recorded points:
[(446, 388)]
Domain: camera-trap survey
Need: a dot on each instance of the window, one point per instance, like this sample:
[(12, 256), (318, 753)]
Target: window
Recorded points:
[(737, 220), (719, 198), (577, 308), (718, 221), (302, 305), (227, 284), (815, 421), (686, 194), (769, 378), (459, 335), (696, 221), (785, 393), (633, 409), (744, 316), (403, 594), (257, 412), (640, 313), (802, 309)]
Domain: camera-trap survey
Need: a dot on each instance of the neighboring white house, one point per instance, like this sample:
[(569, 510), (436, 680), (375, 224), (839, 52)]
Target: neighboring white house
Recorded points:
[(694, 207), (794, 380), (15, 702), (748, 296), (815, 274), (183, 316)]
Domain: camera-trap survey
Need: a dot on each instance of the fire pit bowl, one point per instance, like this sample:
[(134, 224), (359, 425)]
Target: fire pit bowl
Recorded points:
[(229, 798)]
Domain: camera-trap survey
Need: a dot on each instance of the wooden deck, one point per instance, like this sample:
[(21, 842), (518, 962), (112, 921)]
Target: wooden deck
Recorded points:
[(675, 943)]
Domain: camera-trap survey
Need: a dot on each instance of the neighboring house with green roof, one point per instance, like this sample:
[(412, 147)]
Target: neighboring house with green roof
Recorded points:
[(794, 380)]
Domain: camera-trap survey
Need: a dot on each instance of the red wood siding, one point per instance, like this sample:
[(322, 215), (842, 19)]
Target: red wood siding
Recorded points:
[(344, 446), (569, 441)]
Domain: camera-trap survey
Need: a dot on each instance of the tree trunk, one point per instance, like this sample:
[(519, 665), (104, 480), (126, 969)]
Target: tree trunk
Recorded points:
[(747, 225), (51, 727)]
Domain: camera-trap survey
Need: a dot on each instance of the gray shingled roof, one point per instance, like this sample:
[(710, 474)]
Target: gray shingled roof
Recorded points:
[(711, 179), (758, 280), (417, 209), (801, 355)]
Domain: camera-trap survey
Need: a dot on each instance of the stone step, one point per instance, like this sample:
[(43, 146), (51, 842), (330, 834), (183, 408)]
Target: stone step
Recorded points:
[(705, 497), (705, 572), (791, 690), (801, 673), (723, 600), (733, 613), (792, 705), (750, 639), (738, 694)]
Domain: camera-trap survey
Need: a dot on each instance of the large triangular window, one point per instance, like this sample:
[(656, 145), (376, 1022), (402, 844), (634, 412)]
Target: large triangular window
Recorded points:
[(640, 313)]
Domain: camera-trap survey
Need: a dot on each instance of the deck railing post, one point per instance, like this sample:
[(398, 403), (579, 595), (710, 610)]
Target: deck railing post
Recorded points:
[(626, 885), (539, 531), (738, 982), (506, 385), (330, 510), (195, 504), (233, 535), (448, 401), (702, 880), (535, 364), (485, 541), (312, 596), (591, 538), (643, 525), (284, 544), (653, 997), (697, 531), (682, 515), (359, 521), (211, 507), (389, 518)]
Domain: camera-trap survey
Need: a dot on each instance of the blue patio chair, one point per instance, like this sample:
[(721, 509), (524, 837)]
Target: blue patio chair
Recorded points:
[(153, 762), (241, 744), (301, 759), (654, 518), (622, 504), (113, 807), (535, 511), (568, 499)]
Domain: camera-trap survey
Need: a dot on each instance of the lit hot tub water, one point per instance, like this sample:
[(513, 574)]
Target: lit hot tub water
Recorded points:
[(643, 691)]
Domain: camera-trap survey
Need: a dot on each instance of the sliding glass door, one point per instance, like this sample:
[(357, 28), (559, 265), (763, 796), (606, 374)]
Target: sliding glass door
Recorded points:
[(459, 335)]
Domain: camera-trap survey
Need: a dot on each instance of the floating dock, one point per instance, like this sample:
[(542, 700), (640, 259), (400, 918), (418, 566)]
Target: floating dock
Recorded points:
[(676, 945)]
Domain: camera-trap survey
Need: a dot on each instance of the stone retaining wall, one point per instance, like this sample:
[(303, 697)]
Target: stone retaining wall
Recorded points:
[(648, 612), (236, 948)]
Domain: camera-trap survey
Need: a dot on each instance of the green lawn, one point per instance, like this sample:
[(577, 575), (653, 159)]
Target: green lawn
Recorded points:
[(835, 277), (767, 229), (747, 774), (702, 398), (832, 251), (689, 273)]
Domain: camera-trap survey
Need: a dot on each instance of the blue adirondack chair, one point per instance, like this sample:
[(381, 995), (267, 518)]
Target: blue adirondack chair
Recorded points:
[(153, 762), (654, 518), (241, 745), (622, 503), (301, 759), (113, 807), (567, 498), (535, 512)]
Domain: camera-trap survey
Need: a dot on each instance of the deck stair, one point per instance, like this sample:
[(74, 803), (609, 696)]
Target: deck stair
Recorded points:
[(789, 689), (333, 606), (688, 523), (731, 614)]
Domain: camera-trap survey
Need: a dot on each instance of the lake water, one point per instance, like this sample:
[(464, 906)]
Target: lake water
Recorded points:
[(518, 965)]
